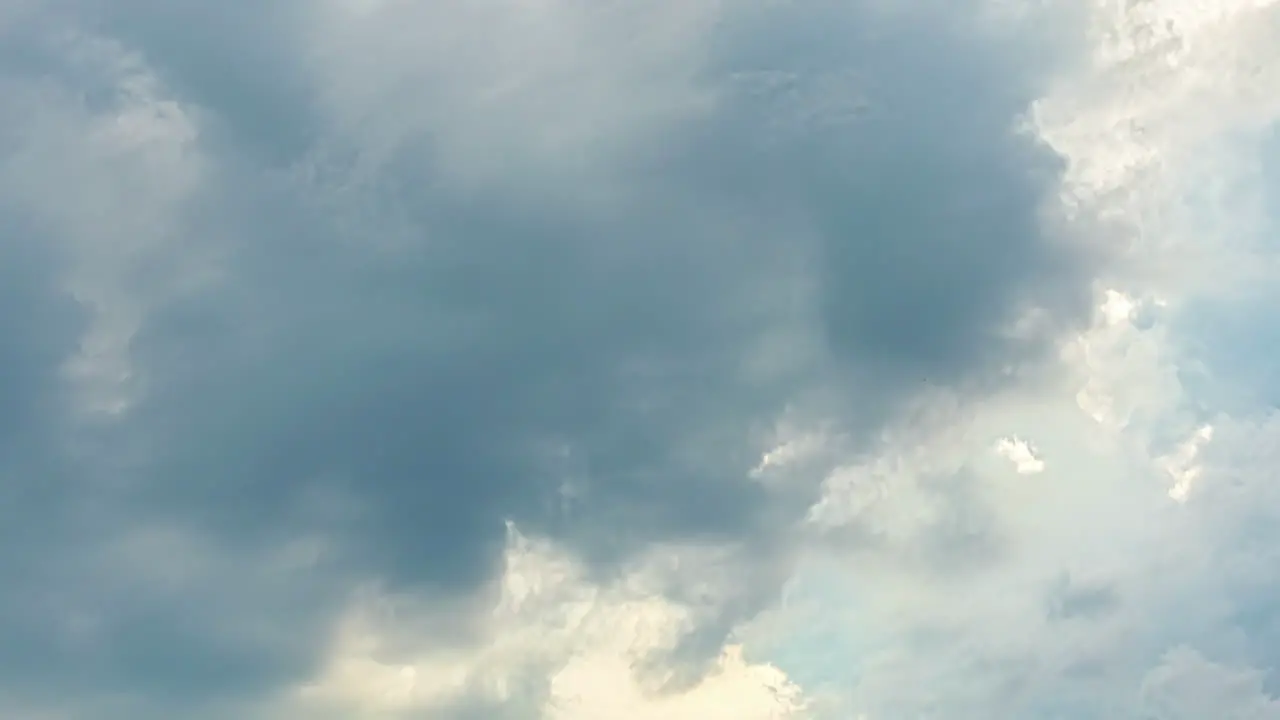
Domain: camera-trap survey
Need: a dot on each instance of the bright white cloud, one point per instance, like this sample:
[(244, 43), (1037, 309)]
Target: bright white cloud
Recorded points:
[(1021, 453), (554, 645)]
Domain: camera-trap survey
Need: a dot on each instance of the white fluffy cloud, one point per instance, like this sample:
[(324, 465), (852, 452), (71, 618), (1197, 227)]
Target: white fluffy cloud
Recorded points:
[(547, 620)]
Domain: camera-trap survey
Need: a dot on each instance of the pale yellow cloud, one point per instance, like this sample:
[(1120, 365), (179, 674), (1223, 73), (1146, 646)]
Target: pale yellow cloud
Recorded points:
[(553, 645)]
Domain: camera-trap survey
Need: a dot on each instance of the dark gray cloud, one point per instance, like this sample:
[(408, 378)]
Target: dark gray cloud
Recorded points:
[(398, 362), (925, 204)]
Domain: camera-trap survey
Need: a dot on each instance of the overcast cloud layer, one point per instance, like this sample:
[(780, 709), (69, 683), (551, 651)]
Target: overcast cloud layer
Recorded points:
[(675, 359)]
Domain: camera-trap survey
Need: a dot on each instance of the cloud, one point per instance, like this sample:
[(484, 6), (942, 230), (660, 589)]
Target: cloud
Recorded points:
[(1186, 685), (553, 641), (1021, 453), (1090, 580), (612, 349)]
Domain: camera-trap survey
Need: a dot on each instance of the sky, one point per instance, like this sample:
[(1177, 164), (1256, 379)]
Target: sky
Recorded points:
[(639, 360)]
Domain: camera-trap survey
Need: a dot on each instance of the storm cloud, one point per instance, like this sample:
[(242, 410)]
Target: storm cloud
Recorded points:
[(300, 300)]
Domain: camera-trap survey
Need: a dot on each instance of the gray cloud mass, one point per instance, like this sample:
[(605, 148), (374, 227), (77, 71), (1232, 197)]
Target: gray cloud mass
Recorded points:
[(361, 348)]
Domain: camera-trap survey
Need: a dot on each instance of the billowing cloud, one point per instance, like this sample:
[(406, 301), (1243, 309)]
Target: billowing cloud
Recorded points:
[(370, 358), (555, 645), (1123, 580)]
